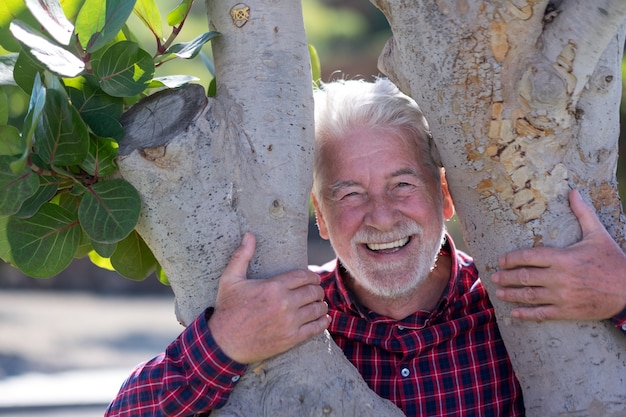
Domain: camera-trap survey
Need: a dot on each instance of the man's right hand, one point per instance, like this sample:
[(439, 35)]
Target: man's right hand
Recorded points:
[(255, 319)]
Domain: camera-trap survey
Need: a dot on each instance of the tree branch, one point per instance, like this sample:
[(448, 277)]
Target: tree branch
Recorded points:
[(155, 120), (576, 34)]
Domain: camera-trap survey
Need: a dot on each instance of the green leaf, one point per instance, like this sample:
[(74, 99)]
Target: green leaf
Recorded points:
[(178, 15), (161, 276), (148, 13), (69, 202), (84, 246), (99, 110), (48, 187), (78, 190), (7, 41), (39, 163), (71, 8), (10, 10), (172, 81), (99, 21), (316, 67), (15, 188), (10, 141), (104, 249), (125, 69), (55, 58), (25, 71), (62, 137), (44, 244), (212, 90), (52, 82), (7, 64), (35, 109), (5, 247), (4, 110), (133, 259), (100, 160), (100, 261), (50, 14), (190, 49), (109, 210), (208, 63)]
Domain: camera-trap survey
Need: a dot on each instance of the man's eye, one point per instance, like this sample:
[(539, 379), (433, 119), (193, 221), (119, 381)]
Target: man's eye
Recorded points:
[(352, 194)]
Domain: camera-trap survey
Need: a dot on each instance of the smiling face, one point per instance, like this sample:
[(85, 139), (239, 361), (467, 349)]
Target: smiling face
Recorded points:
[(381, 211)]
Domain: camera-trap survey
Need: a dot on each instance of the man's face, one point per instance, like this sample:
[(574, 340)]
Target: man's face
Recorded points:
[(381, 211)]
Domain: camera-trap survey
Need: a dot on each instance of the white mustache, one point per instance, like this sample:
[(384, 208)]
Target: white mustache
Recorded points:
[(373, 237)]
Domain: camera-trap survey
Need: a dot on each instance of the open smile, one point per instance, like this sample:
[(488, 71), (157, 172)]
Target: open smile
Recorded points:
[(388, 247)]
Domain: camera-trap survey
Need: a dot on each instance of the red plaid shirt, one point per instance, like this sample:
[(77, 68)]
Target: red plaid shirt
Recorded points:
[(448, 362)]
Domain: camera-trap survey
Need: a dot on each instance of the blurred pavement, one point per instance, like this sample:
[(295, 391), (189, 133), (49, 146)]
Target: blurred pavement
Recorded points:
[(67, 353)]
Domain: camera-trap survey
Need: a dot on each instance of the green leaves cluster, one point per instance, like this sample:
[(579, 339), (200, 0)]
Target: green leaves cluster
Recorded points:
[(81, 66)]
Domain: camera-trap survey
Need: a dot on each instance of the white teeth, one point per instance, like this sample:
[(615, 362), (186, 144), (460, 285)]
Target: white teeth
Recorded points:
[(390, 245)]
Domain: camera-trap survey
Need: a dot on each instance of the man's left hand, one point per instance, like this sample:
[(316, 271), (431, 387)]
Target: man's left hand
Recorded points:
[(584, 281)]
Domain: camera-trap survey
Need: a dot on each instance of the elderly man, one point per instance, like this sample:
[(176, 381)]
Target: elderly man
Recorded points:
[(404, 305)]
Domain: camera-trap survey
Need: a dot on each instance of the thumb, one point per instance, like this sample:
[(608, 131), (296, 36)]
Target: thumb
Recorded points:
[(584, 213), (237, 267)]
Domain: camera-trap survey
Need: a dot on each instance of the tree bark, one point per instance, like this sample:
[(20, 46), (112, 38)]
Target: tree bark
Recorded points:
[(523, 101), (208, 170)]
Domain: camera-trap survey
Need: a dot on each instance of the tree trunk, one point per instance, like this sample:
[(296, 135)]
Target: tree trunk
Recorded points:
[(209, 170), (523, 101)]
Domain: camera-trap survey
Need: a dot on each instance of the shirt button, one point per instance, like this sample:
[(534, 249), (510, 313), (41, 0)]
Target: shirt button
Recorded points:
[(235, 378), (405, 372), (401, 328), (624, 327)]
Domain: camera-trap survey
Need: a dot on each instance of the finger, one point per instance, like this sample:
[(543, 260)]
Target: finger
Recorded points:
[(313, 328), (312, 312), (585, 214), (540, 257), (306, 295), (526, 295), (237, 267), (538, 314), (523, 277), (511, 277), (299, 278)]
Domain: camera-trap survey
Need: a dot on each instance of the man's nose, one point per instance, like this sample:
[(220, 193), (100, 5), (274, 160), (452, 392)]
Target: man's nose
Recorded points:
[(381, 214)]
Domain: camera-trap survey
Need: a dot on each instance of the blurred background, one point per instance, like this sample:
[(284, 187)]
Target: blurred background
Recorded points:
[(66, 343)]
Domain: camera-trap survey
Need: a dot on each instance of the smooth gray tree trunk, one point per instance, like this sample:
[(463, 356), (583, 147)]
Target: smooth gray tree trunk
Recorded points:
[(208, 170), (523, 100)]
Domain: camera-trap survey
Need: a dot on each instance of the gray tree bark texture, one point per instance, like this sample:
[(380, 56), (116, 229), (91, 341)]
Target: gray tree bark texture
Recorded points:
[(523, 100), (208, 170)]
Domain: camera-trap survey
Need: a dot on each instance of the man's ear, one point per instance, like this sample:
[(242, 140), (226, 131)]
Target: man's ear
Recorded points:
[(319, 217), (448, 205)]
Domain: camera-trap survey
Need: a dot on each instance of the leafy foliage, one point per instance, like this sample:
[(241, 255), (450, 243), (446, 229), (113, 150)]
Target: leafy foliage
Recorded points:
[(82, 67)]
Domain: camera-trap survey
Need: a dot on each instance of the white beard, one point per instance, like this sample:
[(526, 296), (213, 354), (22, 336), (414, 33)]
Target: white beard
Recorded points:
[(398, 278)]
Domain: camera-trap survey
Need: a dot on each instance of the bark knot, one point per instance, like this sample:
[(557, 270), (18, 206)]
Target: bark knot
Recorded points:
[(277, 209)]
